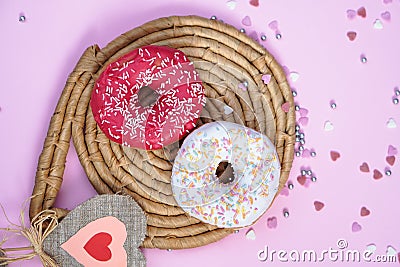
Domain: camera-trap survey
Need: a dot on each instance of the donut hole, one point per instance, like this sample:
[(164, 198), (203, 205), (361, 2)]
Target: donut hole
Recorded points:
[(225, 173), (147, 97)]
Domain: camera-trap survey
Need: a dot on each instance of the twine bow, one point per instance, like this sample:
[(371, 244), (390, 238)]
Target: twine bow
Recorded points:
[(41, 227)]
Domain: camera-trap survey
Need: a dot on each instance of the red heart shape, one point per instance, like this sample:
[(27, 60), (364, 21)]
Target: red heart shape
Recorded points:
[(364, 211), (390, 160), (364, 167), (301, 179), (97, 246), (254, 2), (335, 155), (318, 205), (377, 174), (362, 12), (351, 35)]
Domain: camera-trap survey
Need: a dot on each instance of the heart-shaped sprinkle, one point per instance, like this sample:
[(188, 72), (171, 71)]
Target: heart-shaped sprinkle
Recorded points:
[(273, 25), (362, 12), (328, 126), (231, 4), (386, 16), (251, 234), (246, 21), (294, 76), (364, 212), (351, 35), (355, 227), (351, 14), (97, 247), (377, 175), (301, 179), (254, 3), (272, 222), (303, 112), (392, 151), (285, 191), (364, 167), (391, 123), (318, 205), (391, 251), (335, 155), (266, 78), (303, 121), (227, 110), (285, 107), (390, 160), (371, 248), (378, 24)]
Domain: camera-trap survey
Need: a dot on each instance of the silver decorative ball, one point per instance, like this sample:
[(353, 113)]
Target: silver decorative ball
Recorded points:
[(302, 135), (169, 250), (297, 127), (397, 92), (309, 172), (313, 153), (22, 18), (286, 214), (242, 30), (236, 231), (294, 93), (302, 141), (395, 101), (388, 172), (278, 36), (297, 139), (297, 107), (245, 83), (303, 172), (213, 17), (298, 154), (333, 105), (301, 148), (363, 59), (290, 186), (263, 37), (313, 179)]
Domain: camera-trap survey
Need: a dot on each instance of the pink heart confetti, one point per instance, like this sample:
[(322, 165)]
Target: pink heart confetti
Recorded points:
[(356, 227), (351, 14), (303, 121), (351, 35), (303, 112), (392, 151), (306, 153), (364, 212), (335, 155), (254, 3), (364, 167), (273, 25), (377, 175), (318, 205), (386, 16), (246, 21), (285, 107), (266, 78), (285, 191), (242, 86), (272, 222), (390, 160), (362, 12), (301, 179)]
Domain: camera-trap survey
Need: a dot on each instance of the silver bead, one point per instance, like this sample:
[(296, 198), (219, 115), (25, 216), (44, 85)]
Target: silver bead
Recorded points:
[(313, 179), (395, 101), (236, 231), (297, 107), (169, 250), (290, 186), (333, 105), (278, 36), (298, 154), (297, 139), (297, 127), (363, 59), (303, 172), (213, 17), (245, 83), (263, 37), (294, 93), (22, 18), (302, 141), (242, 30), (286, 213), (313, 153), (309, 172), (397, 92), (301, 135), (388, 172), (301, 148)]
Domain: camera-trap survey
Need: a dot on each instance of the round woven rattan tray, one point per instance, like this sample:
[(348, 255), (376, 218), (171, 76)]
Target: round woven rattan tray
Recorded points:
[(225, 59)]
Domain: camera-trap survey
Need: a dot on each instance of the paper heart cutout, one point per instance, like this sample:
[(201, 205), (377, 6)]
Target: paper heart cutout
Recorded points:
[(251, 234), (318, 205), (254, 3), (246, 21), (351, 14), (364, 167), (273, 25), (266, 78), (101, 240), (306, 153), (378, 24), (377, 175), (272, 222), (231, 4), (285, 107), (356, 227), (301, 179), (392, 151), (351, 35), (328, 126), (386, 16), (362, 12), (364, 212), (335, 155), (390, 160), (303, 121)]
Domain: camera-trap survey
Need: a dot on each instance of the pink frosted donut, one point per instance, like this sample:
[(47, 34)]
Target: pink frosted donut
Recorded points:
[(149, 98)]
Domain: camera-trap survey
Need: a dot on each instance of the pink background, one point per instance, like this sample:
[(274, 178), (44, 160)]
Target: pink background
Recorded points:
[(38, 54)]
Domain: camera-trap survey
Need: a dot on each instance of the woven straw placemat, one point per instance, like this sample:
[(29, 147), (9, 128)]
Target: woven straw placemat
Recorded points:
[(226, 60)]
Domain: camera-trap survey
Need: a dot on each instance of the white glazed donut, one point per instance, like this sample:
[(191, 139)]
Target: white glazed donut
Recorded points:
[(216, 199)]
